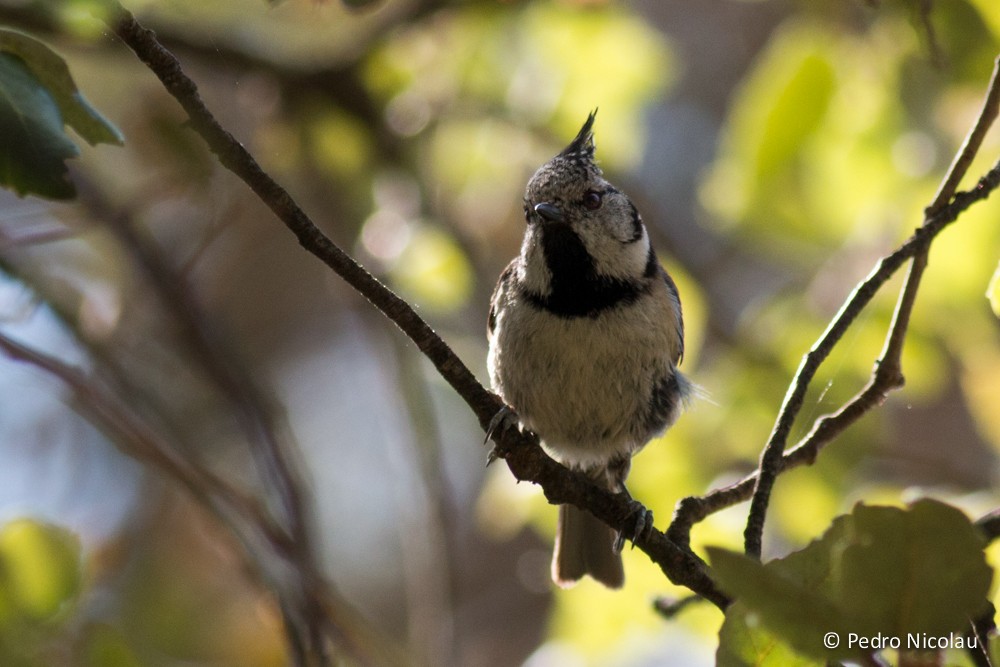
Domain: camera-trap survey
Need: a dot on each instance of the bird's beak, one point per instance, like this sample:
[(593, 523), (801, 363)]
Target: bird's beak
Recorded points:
[(549, 212)]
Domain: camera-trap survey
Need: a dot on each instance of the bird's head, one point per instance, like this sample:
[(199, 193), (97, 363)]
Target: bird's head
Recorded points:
[(574, 215)]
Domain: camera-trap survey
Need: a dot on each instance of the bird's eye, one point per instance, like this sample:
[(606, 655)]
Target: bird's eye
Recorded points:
[(592, 200)]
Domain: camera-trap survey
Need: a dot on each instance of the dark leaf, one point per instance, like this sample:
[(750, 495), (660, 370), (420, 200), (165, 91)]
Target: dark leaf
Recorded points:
[(33, 148), (51, 70)]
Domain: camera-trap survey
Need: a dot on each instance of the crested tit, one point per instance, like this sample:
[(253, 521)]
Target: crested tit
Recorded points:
[(585, 334)]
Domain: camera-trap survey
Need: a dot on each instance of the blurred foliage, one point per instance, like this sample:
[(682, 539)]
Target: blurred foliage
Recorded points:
[(40, 579), (408, 130)]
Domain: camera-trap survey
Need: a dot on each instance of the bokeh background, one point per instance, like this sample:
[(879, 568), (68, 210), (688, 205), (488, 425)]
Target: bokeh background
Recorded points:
[(776, 150)]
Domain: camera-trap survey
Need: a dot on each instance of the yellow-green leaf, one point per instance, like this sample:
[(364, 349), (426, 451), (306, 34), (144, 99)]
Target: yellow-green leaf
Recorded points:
[(39, 570)]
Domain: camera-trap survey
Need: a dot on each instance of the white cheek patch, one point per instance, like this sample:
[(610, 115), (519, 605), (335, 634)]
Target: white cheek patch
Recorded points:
[(616, 259)]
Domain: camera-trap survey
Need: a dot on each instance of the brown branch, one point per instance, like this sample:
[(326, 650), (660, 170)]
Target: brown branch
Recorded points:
[(989, 525), (238, 160), (560, 485)]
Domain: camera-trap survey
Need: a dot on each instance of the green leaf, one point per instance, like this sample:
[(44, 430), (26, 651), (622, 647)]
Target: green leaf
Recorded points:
[(789, 608), (743, 640), (51, 70), (34, 145), (877, 571), (918, 570), (993, 292)]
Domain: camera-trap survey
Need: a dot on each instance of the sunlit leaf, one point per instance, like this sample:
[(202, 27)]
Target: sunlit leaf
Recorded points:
[(339, 144), (618, 80), (920, 569), (991, 17), (780, 106), (787, 601), (434, 270)]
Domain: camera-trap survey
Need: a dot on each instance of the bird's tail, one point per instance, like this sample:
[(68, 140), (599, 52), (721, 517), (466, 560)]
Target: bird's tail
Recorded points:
[(584, 546)]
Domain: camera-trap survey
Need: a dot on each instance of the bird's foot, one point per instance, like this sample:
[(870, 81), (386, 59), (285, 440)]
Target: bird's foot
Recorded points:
[(504, 418), (642, 527)]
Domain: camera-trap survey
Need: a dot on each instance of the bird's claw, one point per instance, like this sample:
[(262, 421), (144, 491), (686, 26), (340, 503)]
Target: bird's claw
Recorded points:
[(504, 418), (643, 526)]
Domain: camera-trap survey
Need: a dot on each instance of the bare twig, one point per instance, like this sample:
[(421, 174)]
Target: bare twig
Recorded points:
[(238, 160), (693, 509), (989, 525), (887, 374), (980, 628)]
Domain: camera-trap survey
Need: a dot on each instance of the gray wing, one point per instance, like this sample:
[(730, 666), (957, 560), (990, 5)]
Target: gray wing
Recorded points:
[(502, 286), (672, 288)]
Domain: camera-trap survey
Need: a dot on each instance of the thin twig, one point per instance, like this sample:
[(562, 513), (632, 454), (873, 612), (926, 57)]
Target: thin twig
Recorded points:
[(888, 373), (977, 636), (670, 608), (989, 525), (139, 441), (970, 147), (257, 416), (696, 508)]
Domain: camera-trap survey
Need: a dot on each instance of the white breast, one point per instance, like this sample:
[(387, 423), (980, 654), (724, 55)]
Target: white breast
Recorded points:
[(584, 384)]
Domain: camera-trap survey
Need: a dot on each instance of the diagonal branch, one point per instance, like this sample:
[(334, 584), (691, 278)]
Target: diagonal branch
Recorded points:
[(521, 450), (139, 441), (235, 157)]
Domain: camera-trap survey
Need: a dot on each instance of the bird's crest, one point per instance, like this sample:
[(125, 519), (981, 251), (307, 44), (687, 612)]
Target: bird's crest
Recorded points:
[(582, 146)]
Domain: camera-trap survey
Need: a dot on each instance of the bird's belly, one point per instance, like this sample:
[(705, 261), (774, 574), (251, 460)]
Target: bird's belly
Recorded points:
[(583, 385)]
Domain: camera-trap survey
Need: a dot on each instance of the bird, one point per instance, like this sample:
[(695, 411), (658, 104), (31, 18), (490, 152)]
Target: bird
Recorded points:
[(585, 335)]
